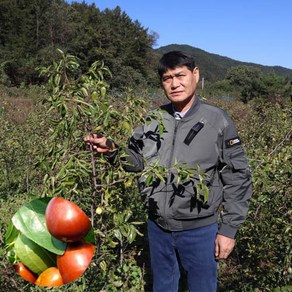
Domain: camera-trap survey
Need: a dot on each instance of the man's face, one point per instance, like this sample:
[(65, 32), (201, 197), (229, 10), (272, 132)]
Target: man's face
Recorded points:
[(179, 85)]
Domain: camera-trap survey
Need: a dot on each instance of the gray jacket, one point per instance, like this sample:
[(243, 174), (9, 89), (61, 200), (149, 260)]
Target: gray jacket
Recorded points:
[(205, 136)]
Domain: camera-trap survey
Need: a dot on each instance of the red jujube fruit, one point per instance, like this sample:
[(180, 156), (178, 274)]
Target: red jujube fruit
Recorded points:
[(66, 221), (73, 263), (51, 277), (25, 273)]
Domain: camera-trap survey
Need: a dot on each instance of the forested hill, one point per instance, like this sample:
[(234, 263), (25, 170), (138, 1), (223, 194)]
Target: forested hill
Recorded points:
[(32, 31), (214, 67)]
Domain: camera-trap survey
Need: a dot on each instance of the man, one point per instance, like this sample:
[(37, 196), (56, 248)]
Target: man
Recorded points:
[(182, 227)]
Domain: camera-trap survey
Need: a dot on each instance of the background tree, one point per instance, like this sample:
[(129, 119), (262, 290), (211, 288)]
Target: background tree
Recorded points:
[(246, 79), (32, 30), (275, 87)]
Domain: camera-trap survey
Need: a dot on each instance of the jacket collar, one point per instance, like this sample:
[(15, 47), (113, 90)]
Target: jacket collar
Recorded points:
[(194, 107)]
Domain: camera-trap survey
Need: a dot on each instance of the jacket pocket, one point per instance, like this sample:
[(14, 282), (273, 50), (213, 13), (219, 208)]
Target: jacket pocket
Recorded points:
[(237, 159), (239, 163)]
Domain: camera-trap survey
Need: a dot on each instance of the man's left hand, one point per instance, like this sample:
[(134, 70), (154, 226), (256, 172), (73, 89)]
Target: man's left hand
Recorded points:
[(223, 246)]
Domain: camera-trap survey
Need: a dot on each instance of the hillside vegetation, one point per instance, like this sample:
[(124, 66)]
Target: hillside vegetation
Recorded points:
[(32, 31), (89, 70)]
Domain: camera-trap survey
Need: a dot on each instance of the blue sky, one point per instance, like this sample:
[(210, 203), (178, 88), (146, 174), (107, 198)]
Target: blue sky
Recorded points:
[(257, 31)]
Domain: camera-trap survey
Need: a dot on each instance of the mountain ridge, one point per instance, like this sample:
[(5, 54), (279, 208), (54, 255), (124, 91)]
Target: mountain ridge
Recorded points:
[(214, 67)]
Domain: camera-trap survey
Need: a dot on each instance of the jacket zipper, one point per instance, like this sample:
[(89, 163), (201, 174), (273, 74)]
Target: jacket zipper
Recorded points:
[(169, 166), (173, 143)]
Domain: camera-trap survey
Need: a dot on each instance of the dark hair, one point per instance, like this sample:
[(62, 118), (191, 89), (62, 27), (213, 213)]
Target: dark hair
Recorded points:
[(175, 59)]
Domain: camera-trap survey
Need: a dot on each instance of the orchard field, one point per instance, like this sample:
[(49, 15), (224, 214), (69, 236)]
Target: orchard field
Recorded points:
[(42, 154)]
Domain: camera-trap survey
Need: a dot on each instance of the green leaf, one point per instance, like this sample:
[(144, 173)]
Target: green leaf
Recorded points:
[(128, 215), (106, 119), (149, 180), (57, 80), (94, 96), (11, 234), (36, 258), (90, 236), (11, 256), (84, 91), (124, 230), (117, 283), (103, 266), (127, 126), (112, 244), (30, 220), (118, 235), (206, 193), (103, 91), (119, 219), (132, 234)]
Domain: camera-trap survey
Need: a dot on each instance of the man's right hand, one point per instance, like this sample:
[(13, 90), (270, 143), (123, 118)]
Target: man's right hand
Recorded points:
[(99, 143)]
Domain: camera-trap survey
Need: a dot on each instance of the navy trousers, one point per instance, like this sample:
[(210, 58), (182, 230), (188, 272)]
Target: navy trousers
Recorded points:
[(195, 249)]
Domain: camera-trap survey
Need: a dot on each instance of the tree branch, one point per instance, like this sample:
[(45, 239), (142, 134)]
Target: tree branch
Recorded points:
[(287, 137)]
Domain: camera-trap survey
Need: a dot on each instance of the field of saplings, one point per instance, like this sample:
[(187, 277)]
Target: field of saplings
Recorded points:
[(71, 221)]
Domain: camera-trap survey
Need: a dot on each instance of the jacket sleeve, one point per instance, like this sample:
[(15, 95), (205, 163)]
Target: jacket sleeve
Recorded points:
[(236, 178)]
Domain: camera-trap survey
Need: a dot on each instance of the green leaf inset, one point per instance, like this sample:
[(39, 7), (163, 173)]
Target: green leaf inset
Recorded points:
[(30, 220)]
